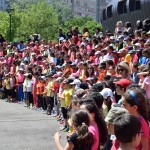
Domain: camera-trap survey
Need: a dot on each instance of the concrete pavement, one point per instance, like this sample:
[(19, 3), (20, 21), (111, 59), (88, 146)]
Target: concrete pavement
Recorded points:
[(25, 129)]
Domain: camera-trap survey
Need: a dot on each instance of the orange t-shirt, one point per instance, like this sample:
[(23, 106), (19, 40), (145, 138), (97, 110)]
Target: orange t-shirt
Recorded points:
[(40, 88), (102, 75)]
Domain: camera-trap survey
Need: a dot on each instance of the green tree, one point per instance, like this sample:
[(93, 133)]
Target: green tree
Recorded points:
[(64, 11), (4, 24), (37, 18), (82, 22)]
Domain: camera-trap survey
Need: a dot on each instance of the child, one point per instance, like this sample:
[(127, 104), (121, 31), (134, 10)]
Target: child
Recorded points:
[(127, 130), (82, 139), (6, 84), (29, 91), (135, 102), (146, 82), (97, 126), (113, 113), (135, 71)]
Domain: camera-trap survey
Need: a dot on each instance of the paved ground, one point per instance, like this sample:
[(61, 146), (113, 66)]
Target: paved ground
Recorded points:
[(25, 129)]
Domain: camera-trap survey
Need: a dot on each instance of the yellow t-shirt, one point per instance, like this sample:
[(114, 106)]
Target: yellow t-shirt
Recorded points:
[(67, 94), (49, 88), (128, 58), (7, 84)]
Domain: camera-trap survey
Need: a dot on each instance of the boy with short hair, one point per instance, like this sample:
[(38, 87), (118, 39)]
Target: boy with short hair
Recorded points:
[(127, 129)]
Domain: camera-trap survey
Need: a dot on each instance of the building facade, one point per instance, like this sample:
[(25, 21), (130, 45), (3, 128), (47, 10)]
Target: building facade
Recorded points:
[(4, 4), (80, 7), (87, 7)]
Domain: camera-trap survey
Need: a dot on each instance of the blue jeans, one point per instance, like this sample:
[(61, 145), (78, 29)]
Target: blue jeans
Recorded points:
[(20, 92)]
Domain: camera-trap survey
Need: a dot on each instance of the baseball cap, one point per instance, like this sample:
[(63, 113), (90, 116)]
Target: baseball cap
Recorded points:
[(43, 78), (123, 82), (148, 32), (98, 52), (56, 75), (122, 50), (121, 37), (116, 41), (74, 75), (137, 44), (73, 64), (127, 39), (106, 92), (132, 52), (59, 79), (76, 82), (68, 81), (114, 113)]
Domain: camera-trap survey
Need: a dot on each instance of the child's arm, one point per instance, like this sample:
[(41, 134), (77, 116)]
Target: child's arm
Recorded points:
[(141, 74)]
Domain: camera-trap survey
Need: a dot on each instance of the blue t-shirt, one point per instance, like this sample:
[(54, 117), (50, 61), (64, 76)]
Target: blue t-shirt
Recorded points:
[(135, 77)]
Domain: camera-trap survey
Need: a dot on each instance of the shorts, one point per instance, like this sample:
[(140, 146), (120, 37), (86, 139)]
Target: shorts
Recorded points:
[(64, 112), (8, 92)]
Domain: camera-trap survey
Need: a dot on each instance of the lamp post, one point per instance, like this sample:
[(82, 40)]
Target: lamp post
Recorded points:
[(10, 10)]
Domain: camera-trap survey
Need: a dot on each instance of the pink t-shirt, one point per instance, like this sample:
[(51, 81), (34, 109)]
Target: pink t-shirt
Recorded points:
[(146, 131), (147, 82), (20, 77), (95, 132)]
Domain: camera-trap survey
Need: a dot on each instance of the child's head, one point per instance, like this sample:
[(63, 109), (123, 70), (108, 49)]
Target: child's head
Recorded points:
[(96, 117), (112, 115), (134, 101), (30, 76), (81, 121), (121, 86), (127, 130), (135, 67), (98, 98)]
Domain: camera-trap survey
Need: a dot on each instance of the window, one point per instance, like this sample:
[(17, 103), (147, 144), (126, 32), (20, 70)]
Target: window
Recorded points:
[(104, 14), (134, 5), (109, 12), (122, 8)]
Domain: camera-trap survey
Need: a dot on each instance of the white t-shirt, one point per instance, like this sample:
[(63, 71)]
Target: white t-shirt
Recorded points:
[(29, 86)]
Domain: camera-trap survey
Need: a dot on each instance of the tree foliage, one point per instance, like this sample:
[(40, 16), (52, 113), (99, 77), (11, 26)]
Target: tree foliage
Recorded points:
[(43, 18)]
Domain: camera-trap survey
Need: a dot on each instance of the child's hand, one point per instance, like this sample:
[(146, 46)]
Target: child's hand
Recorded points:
[(57, 136)]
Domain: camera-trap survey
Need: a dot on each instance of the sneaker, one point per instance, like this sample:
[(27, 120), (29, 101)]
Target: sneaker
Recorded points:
[(44, 112), (61, 122), (25, 105), (59, 119), (66, 130), (70, 130), (48, 113), (62, 128)]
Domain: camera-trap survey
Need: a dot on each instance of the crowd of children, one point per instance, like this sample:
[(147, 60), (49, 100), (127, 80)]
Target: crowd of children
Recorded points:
[(96, 86)]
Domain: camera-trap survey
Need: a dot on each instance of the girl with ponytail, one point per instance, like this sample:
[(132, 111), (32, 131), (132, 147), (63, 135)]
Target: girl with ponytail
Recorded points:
[(82, 139), (97, 126)]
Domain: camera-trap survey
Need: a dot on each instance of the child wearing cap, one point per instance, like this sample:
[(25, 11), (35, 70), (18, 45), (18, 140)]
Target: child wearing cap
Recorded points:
[(121, 87), (113, 113), (50, 94), (6, 84), (39, 92)]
